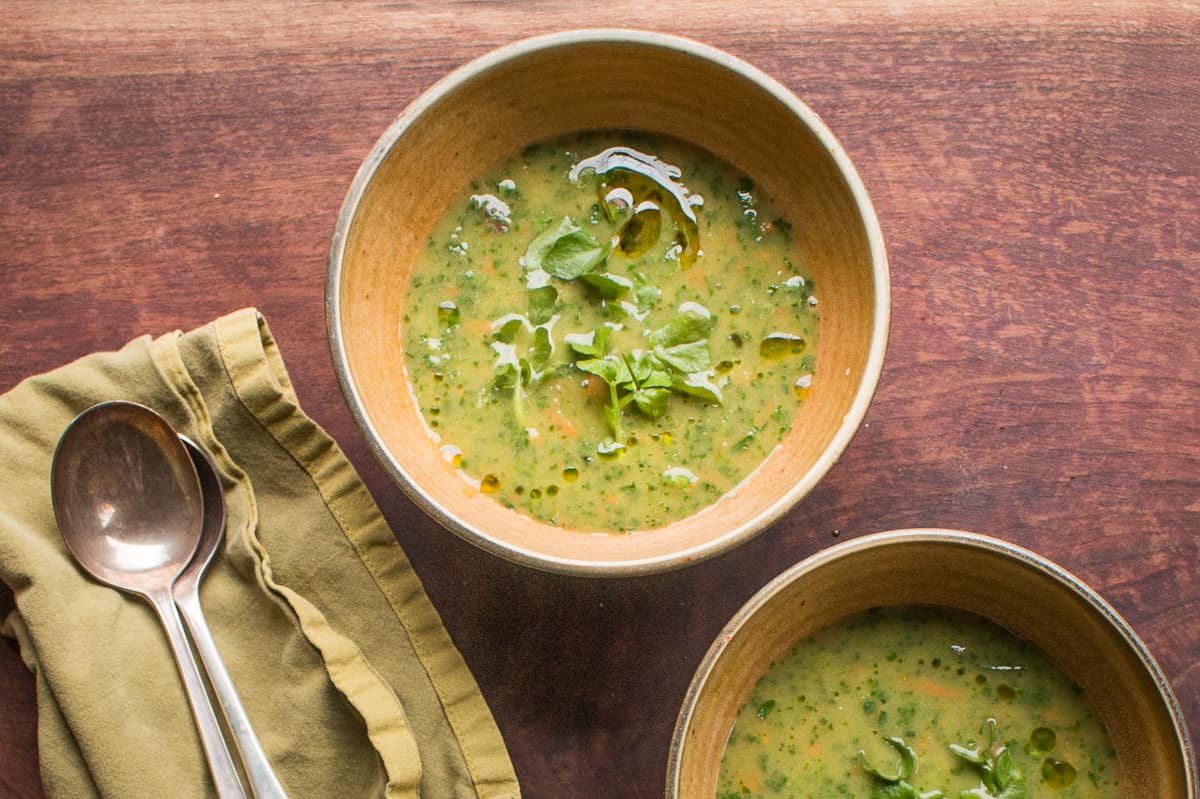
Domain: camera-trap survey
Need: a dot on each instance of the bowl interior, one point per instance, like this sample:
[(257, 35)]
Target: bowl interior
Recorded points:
[(1020, 592), (488, 111)]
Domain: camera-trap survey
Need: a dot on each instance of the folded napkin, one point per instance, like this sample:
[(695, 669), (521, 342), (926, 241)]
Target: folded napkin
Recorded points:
[(346, 672)]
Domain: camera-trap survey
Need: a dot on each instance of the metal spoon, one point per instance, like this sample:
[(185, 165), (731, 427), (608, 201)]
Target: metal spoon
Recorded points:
[(260, 775), (128, 503)]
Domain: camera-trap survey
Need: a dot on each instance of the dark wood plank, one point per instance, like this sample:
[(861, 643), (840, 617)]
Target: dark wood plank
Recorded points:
[(1036, 176)]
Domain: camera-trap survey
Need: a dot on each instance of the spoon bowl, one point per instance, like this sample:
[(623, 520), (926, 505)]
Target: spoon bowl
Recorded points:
[(120, 479)]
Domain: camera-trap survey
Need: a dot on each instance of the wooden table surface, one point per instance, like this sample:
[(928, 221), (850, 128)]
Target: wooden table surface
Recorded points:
[(1037, 176)]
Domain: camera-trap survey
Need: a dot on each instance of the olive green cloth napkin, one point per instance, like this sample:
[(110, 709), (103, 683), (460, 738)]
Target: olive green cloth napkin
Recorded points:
[(348, 676)]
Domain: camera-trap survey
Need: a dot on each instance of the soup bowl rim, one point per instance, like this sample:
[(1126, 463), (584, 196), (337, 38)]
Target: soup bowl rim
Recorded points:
[(1079, 589), (850, 422)]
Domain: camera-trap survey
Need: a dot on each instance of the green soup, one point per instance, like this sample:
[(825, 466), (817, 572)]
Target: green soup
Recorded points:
[(610, 331), (948, 689)]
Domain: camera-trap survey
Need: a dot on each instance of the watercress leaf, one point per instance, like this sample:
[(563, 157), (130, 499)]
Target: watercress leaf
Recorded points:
[(601, 367), (614, 371), (511, 372), (934, 794), (697, 385), (571, 254), (593, 344), (874, 772), (652, 401), (692, 324), (905, 769), (976, 756), (508, 326), (600, 340), (1001, 777), (1015, 791), (509, 363), (1008, 777), (515, 376), (543, 347), (658, 378), (640, 366), (645, 295), (537, 278), (610, 369), (542, 243), (574, 255), (989, 725), (606, 284), (894, 790), (506, 375), (908, 758), (691, 356), (542, 302), (584, 343)]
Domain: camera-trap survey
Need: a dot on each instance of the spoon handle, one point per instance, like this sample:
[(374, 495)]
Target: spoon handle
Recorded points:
[(220, 763), (263, 782)]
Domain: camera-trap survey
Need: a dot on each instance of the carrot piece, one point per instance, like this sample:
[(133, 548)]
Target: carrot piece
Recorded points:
[(561, 423), (936, 689)]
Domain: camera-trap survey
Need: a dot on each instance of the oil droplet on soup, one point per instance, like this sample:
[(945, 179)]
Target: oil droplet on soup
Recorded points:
[(923, 677), (615, 329)]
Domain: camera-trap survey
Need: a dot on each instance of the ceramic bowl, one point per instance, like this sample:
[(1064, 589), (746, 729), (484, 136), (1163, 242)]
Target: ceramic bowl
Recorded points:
[(528, 92), (1023, 592)]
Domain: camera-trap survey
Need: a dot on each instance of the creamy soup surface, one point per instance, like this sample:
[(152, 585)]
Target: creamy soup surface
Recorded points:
[(957, 695), (610, 331)]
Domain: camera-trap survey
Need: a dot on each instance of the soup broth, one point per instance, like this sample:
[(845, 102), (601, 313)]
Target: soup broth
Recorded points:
[(942, 686), (610, 331)]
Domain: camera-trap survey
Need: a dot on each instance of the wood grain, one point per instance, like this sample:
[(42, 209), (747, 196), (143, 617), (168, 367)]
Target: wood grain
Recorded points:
[(1036, 175)]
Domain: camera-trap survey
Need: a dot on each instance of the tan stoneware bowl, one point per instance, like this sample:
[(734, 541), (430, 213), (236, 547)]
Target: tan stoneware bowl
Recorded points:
[(546, 87), (1030, 596)]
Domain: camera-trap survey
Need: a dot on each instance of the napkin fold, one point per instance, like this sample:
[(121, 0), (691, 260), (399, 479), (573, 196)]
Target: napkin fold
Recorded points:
[(346, 672)]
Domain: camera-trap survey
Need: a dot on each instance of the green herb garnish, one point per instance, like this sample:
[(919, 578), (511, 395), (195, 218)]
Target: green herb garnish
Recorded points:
[(613, 371), (693, 323), (593, 344), (543, 297), (650, 386), (679, 363), (523, 352), (512, 372), (565, 251), (697, 385), (1001, 777), (508, 326), (645, 295), (896, 785), (608, 285)]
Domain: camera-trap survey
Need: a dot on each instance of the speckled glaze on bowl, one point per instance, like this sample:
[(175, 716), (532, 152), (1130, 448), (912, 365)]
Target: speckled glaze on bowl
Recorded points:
[(546, 87), (1023, 592)]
